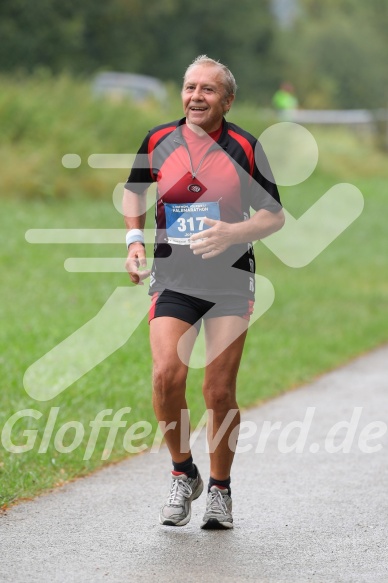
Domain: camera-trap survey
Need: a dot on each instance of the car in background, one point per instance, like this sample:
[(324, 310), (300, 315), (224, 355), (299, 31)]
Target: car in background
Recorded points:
[(119, 86)]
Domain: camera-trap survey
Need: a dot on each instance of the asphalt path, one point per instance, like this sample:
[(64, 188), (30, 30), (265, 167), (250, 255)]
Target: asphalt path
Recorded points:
[(310, 502)]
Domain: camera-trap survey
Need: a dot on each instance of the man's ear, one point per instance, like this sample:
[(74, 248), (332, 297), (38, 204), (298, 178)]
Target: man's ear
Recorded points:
[(228, 102)]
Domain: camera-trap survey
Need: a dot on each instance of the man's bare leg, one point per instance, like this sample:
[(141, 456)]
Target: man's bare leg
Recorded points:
[(169, 386), (224, 416), (169, 381), (219, 390)]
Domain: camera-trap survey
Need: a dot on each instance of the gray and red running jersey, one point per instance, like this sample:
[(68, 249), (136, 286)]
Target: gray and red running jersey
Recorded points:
[(221, 175)]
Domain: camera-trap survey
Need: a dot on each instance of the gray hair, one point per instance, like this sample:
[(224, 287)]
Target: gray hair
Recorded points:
[(229, 81)]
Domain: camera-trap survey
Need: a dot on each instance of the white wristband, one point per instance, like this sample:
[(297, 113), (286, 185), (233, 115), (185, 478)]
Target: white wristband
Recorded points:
[(133, 236)]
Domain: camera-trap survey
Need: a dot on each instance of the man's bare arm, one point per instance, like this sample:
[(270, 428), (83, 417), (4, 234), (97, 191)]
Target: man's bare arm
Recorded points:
[(135, 210)]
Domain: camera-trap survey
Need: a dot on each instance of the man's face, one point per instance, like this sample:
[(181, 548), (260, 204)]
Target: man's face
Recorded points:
[(203, 97)]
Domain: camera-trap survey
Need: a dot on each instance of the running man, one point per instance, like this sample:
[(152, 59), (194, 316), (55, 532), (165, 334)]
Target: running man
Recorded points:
[(209, 174)]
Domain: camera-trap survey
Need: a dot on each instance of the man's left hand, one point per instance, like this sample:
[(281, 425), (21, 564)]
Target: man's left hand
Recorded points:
[(212, 241)]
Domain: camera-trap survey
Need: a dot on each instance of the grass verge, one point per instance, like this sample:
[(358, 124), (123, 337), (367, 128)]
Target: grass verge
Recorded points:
[(322, 316)]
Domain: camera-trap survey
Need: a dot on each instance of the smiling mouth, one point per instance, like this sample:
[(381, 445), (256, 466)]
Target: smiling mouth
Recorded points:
[(198, 108)]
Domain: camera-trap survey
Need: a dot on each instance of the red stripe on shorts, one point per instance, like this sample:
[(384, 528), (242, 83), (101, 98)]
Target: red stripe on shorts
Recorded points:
[(151, 314), (249, 312)]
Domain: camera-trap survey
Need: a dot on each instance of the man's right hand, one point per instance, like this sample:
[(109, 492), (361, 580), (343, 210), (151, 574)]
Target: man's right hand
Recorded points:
[(136, 262)]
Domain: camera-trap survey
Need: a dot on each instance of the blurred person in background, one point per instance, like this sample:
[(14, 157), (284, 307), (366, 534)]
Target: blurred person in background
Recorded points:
[(284, 99)]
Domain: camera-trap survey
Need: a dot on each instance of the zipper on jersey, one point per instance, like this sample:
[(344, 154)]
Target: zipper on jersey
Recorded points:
[(194, 173)]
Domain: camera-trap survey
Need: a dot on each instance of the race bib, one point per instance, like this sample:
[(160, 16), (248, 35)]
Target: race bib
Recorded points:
[(184, 220)]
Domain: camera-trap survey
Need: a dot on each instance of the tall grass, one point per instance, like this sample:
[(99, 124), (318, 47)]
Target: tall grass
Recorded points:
[(44, 118)]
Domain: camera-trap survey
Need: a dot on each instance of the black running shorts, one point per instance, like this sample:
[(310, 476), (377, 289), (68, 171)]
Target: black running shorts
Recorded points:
[(192, 309)]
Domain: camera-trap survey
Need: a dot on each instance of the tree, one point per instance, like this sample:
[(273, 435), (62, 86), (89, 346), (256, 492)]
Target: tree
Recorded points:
[(44, 32), (336, 53), (159, 37)]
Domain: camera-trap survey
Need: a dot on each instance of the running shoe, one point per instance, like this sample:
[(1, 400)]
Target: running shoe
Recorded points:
[(218, 513), (183, 490)]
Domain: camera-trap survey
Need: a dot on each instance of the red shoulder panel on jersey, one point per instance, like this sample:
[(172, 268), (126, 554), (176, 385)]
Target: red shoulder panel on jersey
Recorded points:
[(154, 139), (246, 146)]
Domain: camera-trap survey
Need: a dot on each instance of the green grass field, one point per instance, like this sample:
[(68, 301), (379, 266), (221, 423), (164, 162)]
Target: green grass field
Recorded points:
[(323, 314)]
